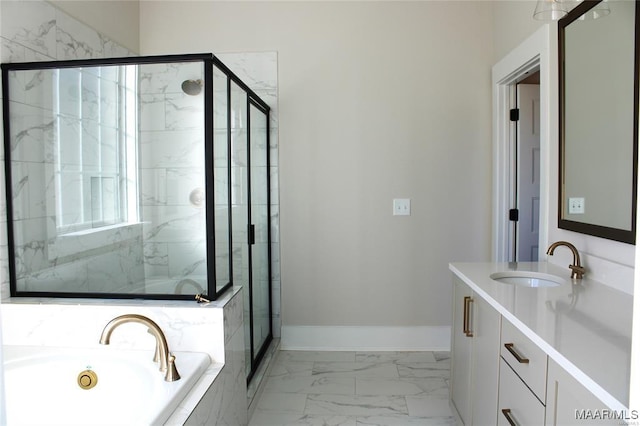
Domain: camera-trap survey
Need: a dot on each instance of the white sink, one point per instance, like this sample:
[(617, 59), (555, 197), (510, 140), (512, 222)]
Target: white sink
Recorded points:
[(528, 279)]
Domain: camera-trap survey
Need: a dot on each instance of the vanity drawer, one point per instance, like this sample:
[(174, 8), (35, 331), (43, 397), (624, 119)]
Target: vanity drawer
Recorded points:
[(516, 403), (525, 358)]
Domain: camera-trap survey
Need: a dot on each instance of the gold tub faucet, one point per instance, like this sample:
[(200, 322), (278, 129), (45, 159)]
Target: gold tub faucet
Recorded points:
[(167, 360), (577, 271)]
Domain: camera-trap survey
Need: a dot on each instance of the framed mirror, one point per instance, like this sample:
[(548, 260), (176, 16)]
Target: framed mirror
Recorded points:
[(598, 59)]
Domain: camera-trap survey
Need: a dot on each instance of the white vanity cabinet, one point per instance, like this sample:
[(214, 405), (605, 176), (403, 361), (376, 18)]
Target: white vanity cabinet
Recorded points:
[(570, 403), (461, 353), (516, 403), (514, 350), (525, 358), (475, 357), (523, 379)]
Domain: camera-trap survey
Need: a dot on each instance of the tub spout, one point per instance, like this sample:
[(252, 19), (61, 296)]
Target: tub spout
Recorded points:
[(167, 360)]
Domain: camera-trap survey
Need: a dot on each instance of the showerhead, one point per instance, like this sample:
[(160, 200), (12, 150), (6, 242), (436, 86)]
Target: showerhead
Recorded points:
[(192, 87)]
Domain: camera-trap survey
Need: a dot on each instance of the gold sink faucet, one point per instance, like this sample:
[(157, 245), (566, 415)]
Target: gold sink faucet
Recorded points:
[(577, 271), (167, 360)]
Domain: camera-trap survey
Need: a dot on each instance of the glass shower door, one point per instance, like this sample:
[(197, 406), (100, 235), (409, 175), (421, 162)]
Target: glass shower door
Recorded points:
[(240, 207), (250, 222), (259, 230)]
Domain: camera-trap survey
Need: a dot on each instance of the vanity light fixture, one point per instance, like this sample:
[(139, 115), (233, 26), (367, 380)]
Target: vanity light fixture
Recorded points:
[(598, 11), (550, 10), (553, 10)]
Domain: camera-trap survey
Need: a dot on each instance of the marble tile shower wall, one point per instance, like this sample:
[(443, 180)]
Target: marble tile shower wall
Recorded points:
[(37, 31), (172, 173)]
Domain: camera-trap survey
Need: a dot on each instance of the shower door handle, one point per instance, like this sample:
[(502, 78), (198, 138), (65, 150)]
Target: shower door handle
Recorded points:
[(252, 234)]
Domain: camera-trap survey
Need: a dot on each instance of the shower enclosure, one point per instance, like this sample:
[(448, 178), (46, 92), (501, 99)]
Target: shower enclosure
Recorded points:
[(142, 177)]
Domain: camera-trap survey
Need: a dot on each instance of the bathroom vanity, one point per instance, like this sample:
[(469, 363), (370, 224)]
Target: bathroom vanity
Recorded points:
[(542, 350)]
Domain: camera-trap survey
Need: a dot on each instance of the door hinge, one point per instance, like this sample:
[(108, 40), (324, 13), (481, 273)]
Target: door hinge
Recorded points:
[(513, 215), (514, 114)]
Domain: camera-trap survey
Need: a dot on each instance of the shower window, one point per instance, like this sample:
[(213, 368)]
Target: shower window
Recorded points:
[(95, 140)]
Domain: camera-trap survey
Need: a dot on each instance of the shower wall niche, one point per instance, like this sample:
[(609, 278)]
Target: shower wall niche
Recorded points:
[(119, 175)]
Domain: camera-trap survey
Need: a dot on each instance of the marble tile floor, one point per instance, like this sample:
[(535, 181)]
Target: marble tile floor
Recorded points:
[(356, 389)]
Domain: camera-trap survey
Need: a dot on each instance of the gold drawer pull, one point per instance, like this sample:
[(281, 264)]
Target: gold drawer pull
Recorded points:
[(467, 317), (507, 413), (515, 354)]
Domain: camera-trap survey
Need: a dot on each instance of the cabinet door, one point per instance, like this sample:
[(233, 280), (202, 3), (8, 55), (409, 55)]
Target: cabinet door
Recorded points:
[(525, 358), (485, 327), (461, 352), (517, 403), (570, 403)]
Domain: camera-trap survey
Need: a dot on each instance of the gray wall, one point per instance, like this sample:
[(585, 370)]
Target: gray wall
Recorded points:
[(512, 23), (378, 101), (119, 19)]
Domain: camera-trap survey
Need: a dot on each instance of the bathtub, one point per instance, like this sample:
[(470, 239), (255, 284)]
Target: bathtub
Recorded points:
[(41, 386)]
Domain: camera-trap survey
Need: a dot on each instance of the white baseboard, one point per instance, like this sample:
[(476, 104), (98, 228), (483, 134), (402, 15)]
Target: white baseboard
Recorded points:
[(347, 338)]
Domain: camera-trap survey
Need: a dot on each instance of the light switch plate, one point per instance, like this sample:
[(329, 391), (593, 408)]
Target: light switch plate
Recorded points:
[(402, 207), (576, 205)]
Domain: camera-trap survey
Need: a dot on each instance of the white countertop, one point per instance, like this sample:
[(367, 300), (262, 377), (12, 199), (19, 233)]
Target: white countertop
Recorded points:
[(584, 325)]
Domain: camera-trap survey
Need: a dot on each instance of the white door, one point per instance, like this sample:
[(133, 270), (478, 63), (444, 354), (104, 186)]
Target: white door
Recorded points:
[(528, 172)]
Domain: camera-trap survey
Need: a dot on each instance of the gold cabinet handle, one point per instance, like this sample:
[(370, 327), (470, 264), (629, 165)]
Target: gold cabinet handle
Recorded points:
[(465, 314), (467, 317), (507, 413), (515, 354)]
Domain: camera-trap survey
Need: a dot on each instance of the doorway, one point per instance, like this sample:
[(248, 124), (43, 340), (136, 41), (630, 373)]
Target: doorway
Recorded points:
[(525, 173), (533, 62)]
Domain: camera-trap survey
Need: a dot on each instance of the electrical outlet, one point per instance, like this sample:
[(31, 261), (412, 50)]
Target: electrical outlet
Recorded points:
[(402, 207), (576, 205)]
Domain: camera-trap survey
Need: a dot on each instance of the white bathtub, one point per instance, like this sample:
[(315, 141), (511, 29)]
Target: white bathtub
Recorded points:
[(41, 386)]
